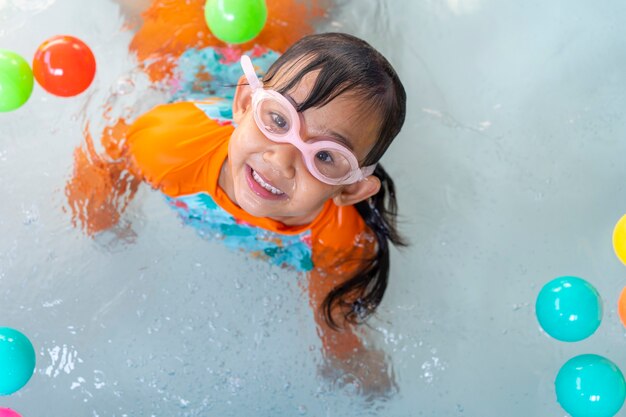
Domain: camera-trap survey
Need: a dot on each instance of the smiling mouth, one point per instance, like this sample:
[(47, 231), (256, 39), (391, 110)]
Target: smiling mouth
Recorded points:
[(261, 187), (269, 187)]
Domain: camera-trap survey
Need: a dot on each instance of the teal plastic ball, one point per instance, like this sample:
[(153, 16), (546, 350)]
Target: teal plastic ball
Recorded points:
[(235, 21), (17, 360), (590, 386), (569, 309)]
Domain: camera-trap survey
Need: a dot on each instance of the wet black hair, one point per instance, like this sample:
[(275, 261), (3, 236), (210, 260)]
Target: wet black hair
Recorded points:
[(347, 64)]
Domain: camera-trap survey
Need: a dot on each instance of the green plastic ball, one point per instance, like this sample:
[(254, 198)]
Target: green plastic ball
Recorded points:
[(590, 386), (17, 360), (16, 81), (235, 21)]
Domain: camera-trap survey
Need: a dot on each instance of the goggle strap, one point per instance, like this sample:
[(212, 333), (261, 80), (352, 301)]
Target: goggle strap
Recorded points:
[(248, 70), (368, 170)]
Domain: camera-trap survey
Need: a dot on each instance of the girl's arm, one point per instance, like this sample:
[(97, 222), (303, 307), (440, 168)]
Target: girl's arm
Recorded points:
[(101, 186), (339, 343), (168, 147), (341, 248), (344, 351)]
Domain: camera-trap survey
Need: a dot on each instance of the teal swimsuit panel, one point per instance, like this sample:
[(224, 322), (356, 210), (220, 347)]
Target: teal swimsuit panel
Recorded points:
[(213, 222)]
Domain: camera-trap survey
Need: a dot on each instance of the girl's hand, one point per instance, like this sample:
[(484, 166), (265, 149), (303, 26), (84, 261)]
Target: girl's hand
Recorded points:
[(368, 372)]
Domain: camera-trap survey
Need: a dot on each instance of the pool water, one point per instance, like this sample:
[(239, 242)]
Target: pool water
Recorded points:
[(509, 173)]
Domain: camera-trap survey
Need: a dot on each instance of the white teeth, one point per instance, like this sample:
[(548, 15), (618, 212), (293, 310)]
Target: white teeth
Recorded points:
[(265, 185)]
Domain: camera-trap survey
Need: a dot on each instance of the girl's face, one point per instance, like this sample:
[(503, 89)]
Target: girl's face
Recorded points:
[(270, 179)]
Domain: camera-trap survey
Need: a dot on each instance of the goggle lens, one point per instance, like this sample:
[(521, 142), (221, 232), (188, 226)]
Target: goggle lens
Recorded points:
[(275, 117), (332, 164)]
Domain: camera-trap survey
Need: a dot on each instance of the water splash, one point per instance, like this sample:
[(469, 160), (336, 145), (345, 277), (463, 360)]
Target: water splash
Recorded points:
[(63, 359), (31, 5)]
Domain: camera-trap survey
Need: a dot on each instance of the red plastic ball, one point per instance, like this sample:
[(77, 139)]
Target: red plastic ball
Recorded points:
[(64, 66)]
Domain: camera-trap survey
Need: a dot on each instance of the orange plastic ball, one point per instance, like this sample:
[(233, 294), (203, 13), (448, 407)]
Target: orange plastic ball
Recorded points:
[(621, 306), (64, 66)]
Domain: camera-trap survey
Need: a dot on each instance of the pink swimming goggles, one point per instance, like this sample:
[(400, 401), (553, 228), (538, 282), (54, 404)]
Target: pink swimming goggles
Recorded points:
[(279, 121)]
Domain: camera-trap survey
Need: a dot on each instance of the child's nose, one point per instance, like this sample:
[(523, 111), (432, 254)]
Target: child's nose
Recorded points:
[(282, 156)]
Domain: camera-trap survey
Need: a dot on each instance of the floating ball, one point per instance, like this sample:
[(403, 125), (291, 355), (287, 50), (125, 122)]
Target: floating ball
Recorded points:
[(17, 360), (621, 306), (619, 239), (64, 66), (590, 386), (569, 309), (7, 412), (16, 81), (235, 21)]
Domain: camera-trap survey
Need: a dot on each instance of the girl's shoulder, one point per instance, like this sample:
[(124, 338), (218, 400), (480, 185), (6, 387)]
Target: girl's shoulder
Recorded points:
[(172, 146), (338, 225), (341, 235)]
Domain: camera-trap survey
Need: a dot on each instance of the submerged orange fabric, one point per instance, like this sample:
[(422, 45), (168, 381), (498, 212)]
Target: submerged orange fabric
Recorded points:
[(179, 150), (170, 27), (100, 187)]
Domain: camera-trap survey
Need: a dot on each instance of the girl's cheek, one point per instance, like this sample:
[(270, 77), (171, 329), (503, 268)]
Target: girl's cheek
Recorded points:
[(314, 188), (239, 142), (247, 138)]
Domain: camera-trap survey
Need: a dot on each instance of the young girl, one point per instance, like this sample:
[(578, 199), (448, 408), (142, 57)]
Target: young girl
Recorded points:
[(295, 174), (289, 171)]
